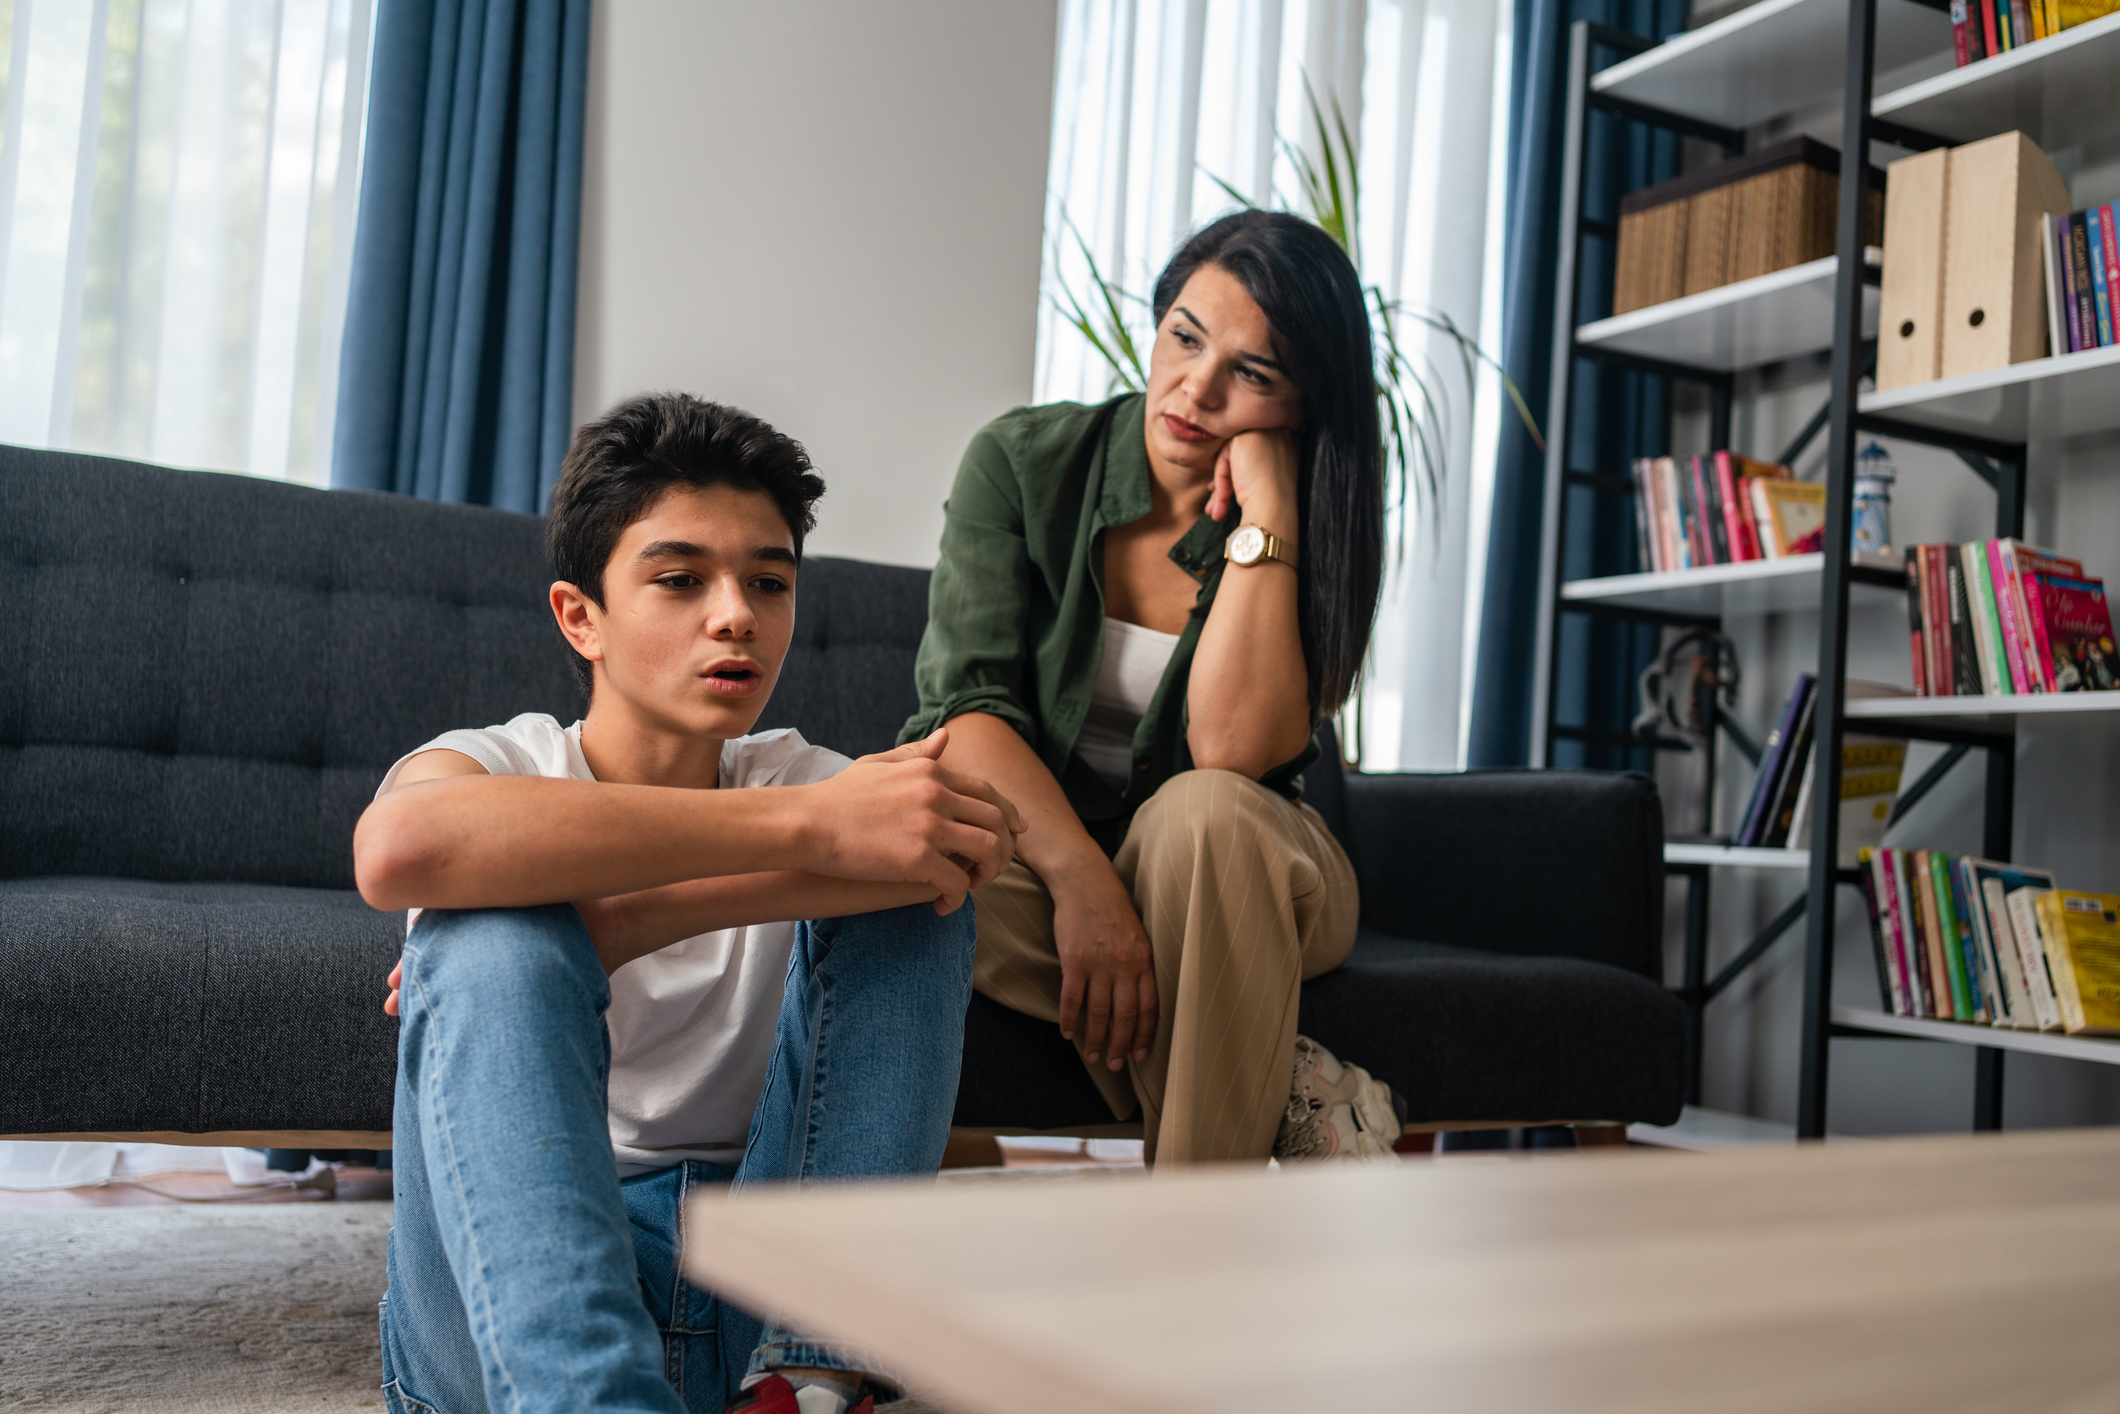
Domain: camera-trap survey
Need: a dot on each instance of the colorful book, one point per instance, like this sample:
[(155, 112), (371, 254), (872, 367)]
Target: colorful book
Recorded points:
[(2109, 241), (2079, 247), (1711, 521), (1772, 760), (1877, 876), (2079, 634), (1965, 660), (2071, 282), (1782, 813), (2101, 310), (1993, 882), (2030, 565), (1915, 647), (1959, 52), (1726, 501), (1795, 514), (1997, 988), (1938, 898), (2022, 905), (1980, 617), (1989, 31), (1979, 973), (2082, 934), (2003, 589), (1935, 992), (1936, 621)]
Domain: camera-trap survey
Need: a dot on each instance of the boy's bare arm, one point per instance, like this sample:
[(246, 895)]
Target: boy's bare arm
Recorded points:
[(463, 839)]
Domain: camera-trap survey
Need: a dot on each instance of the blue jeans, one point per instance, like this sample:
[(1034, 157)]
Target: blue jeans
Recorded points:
[(524, 1276)]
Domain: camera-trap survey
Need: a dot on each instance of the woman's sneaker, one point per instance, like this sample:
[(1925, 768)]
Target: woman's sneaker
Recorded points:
[(1334, 1111)]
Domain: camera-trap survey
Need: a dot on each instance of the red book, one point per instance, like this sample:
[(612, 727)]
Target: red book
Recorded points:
[(1727, 486), (1936, 620), (2111, 242), (1914, 644), (2031, 565), (2079, 634), (1987, 25), (1958, 47), (2014, 660)]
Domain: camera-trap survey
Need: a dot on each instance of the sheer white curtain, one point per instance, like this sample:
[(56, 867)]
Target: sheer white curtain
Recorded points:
[(178, 182), (1154, 100)]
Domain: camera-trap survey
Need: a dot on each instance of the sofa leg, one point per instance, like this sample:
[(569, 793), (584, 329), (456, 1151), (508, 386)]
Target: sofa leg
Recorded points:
[(971, 1151), (1600, 1136)]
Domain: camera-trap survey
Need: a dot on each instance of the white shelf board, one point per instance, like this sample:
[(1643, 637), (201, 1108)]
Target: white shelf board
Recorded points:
[(2043, 397), (1744, 325), (1769, 58), (1722, 855), (2104, 1050), (2056, 91), (1998, 714), (1750, 587)]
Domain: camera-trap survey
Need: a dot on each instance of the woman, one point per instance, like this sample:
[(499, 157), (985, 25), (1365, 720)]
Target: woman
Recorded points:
[(1140, 613)]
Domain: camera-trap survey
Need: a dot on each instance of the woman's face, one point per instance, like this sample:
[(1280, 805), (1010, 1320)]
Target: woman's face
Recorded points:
[(1215, 370)]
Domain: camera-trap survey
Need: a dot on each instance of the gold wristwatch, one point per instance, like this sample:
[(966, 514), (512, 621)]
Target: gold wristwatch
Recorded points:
[(1249, 544)]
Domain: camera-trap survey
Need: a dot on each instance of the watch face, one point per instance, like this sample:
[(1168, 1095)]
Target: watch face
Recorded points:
[(1247, 545)]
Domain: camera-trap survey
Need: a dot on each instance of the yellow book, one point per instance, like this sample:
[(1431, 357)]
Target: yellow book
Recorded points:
[(2082, 933)]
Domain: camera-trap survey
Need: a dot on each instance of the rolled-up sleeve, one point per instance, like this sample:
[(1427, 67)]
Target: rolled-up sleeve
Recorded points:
[(974, 655)]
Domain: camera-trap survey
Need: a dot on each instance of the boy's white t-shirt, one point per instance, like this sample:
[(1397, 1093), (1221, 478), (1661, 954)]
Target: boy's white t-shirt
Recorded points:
[(692, 1024)]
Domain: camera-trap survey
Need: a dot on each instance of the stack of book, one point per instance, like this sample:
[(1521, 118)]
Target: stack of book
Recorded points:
[(1965, 939), (1778, 813), (1981, 29), (1721, 508), (2082, 279), (1998, 618)]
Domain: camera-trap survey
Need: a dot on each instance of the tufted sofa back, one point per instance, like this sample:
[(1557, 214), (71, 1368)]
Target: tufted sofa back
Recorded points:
[(204, 676)]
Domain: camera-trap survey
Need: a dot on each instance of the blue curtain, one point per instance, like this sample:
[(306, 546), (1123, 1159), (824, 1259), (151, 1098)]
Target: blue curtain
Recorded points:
[(456, 379), (1618, 415)]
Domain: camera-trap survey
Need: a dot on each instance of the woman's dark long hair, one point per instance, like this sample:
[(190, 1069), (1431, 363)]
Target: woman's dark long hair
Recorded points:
[(1307, 288)]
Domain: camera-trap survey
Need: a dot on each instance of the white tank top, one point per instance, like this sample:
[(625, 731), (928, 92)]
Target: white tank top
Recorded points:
[(1127, 677)]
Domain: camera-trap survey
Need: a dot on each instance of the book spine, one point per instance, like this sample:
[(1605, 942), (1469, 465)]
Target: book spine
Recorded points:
[(1887, 994), (2038, 19), (1999, 583), (2060, 964), (1936, 621), (1711, 530), (1915, 649), (2024, 1015), (2071, 281), (2079, 244), (1726, 501), (2056, 326), (1990, 32), (1747, 519), (1979, 978), (1965, 656), (1763, 518), (1675, 500), (1994, 659), (2071, 338), (1795, 760), (2035, 615), (2020, 24), (1895, 876), (1770, 761), (1644, 546), (2031, 946), (1935, 866), (2101, 300), (1935, 975), (2109, 244), (2004, 990)]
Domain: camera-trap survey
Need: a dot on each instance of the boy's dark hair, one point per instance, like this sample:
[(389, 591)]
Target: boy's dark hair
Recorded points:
[(623, 461)]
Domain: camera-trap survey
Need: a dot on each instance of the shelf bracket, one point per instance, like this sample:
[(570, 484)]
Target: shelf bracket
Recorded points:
[(1926, 782), (1983, 468), (1782, 923), (1735, 730)]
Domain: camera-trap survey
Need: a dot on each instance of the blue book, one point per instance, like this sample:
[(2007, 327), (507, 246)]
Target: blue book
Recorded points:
[(2101, 299), (1773, 764)]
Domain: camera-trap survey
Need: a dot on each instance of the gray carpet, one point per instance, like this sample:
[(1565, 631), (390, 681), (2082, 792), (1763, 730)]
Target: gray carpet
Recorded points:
[(191, 1310)]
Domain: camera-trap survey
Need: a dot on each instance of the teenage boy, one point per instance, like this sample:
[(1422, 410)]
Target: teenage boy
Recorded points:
[(600, 948)]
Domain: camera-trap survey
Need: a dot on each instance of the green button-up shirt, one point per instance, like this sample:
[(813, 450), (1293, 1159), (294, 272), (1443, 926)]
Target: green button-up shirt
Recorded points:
[(1016, 607)]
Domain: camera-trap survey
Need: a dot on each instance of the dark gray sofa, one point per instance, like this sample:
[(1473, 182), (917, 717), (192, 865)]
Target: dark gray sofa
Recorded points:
[(206, 675)]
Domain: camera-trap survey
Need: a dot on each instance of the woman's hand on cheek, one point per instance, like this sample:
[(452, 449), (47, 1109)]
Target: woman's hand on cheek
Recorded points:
[(1258, 471)]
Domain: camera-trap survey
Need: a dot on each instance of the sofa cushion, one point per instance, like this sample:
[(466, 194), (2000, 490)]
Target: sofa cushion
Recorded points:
[(1464, 1036), (193, 1007), (1468, 1036)]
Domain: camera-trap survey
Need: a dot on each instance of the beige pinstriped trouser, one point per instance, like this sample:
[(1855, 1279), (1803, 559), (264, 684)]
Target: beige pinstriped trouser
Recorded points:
[(1243, 894)]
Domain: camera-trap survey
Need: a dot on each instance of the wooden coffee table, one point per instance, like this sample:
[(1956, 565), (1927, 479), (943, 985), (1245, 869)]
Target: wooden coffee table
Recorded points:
[(1925, 1274)]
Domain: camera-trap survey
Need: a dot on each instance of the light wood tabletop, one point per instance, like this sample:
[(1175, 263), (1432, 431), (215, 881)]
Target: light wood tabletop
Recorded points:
[(1965, 1273)]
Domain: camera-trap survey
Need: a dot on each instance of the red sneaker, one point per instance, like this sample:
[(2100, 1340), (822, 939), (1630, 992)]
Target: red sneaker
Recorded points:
[(774, 1395)]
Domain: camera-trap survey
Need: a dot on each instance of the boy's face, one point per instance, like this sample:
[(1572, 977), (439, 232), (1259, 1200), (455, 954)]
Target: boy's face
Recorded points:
[(699, 606)]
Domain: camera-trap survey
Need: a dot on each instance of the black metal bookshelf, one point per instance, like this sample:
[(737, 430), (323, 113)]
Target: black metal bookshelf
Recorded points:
[(1998, 461)]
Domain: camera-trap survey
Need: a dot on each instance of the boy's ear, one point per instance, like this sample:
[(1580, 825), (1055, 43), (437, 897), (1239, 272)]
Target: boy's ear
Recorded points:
[(579, 619)]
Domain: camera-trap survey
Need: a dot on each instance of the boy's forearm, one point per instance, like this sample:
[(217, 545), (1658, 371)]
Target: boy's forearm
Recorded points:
[(522, 841), (634, 925)]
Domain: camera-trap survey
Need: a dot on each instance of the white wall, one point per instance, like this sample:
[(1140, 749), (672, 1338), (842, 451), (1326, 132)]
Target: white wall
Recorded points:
[(827, 212)]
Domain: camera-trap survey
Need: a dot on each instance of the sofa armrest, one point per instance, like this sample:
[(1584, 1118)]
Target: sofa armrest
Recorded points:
[(1532, 863)]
